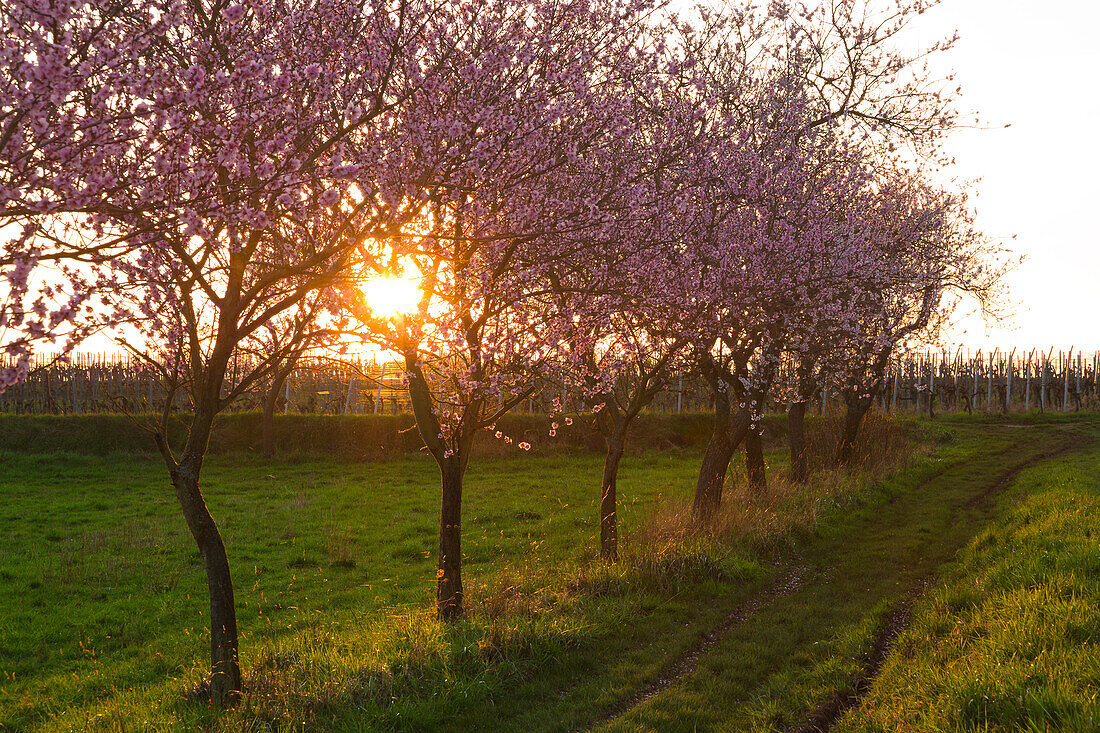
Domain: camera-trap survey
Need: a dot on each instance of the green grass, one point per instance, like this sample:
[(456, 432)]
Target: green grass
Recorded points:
[(102, 596), (103, 599), (778, 665), (1009, 639)]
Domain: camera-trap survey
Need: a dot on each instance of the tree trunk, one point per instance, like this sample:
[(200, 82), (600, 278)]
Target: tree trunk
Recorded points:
[(853, 418), (754, 460), (225, 670), (716, 462), (609, 527), (727, 433), (796, 435), (452, 464), (268, 424), (449, 597)]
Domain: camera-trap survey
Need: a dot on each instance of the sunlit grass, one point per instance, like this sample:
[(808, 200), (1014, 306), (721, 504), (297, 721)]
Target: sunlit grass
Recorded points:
[(104, 600), (1008, 639)]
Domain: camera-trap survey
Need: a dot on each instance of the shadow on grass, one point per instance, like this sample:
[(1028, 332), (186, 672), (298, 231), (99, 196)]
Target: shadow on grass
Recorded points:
[(402, 668)]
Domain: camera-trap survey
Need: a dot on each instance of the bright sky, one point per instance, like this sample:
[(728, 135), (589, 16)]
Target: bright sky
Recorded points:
[(1032, 65)]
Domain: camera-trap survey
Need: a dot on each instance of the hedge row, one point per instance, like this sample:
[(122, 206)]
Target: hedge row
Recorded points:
[(362, 437)]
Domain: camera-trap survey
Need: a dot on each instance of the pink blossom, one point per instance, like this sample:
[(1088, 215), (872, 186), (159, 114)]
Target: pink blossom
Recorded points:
[(234, 13)]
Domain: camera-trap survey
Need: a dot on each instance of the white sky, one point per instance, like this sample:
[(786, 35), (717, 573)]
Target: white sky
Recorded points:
[(1032, 65)]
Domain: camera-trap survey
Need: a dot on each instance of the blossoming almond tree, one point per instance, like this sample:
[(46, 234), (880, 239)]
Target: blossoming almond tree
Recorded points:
[(623, 315), (927, 250), (775, 83), (824, 312), (748, 251), (252, 160), (624, 301), (68, 79), (534, 90)]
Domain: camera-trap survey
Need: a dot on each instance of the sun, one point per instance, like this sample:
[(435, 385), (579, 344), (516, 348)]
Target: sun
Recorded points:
[(391, 296)]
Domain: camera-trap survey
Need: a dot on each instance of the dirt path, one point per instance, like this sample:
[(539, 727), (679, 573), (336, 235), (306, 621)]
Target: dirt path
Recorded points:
[(825, 715), (971, 498), (686, 662), (983, 498)]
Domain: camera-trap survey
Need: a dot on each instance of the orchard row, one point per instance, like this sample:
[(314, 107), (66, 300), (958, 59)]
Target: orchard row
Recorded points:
[(598, 192)]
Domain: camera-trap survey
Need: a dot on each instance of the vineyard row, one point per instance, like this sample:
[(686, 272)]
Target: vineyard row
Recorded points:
[(922, 382)]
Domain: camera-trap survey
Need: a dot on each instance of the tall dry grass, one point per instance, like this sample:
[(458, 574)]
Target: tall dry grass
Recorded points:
[(666, 549), (752, 519)]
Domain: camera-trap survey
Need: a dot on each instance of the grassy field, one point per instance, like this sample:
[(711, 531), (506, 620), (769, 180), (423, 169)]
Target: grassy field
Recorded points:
[(102, 597), (1009, 638)]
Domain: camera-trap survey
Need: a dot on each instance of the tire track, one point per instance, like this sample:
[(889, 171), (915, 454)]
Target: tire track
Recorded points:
[(822, 718), (825, 715), (686, 662), (896, 620), (1009, 476)]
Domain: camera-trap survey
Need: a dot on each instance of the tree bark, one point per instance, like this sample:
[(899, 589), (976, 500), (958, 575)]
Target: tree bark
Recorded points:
[(726, 434), (452, 464), (225, 670), (853, 418), (796, 436), (754, 460), (609, 527), (716, 462), (449, 595), (268, 423)]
